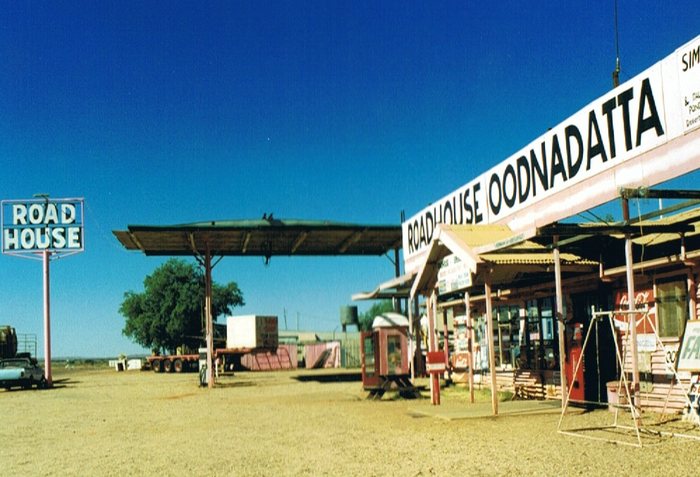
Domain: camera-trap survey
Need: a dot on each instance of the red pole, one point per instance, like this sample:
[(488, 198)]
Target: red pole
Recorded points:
[(432, 346), (46, 256)]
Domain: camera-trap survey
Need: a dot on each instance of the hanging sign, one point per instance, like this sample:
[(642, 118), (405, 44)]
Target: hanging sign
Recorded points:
[(37, 225), (453, 275)]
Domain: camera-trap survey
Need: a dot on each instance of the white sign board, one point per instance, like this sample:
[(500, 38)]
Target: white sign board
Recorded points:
[(37, 225), (688, 357), (622, 139), (453, 275), (646, 342), (689, 81)]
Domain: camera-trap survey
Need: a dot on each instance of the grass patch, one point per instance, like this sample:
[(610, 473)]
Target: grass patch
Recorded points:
[(461, 394)]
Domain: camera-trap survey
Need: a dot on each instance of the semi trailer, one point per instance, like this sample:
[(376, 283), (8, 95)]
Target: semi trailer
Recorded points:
[(244, 334)]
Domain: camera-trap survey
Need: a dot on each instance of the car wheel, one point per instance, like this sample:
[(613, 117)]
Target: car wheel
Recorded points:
[(42, 384), (168, 366)]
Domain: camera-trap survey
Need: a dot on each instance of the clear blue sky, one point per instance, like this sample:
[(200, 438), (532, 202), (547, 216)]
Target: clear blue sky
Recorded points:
[(173, 112)]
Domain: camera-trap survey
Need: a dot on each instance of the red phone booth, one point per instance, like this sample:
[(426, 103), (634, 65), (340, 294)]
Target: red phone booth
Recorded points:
[(574, 333), (385, 360)]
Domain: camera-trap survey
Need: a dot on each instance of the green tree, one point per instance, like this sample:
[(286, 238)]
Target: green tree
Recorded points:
[(377, 308), (169, 312)]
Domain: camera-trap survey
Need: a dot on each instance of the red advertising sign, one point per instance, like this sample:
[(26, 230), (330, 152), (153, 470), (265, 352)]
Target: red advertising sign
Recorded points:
[(644, 299), (436, 362)]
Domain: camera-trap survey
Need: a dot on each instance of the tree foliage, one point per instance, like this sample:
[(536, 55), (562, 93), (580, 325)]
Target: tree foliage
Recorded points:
[(377, 308), (170, 311)]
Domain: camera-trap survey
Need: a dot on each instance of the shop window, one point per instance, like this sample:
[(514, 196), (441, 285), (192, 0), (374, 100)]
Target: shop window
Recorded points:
[(506, 346), (539, 342), (481, 358), (671, 308)]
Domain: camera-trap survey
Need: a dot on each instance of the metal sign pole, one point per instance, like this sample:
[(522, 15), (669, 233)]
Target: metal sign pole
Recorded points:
[(46, 256)]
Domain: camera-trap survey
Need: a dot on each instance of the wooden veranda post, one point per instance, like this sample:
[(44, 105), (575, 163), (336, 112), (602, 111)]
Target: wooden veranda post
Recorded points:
[(492, 352), (470, 344), (631, 305), (432, 346), (561, 327)]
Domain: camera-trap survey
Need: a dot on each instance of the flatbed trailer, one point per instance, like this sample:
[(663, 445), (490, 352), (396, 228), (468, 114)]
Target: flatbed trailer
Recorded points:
[(180, 363), (177, 363)]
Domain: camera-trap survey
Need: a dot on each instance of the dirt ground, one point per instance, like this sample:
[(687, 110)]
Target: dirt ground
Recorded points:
[(100, 422)]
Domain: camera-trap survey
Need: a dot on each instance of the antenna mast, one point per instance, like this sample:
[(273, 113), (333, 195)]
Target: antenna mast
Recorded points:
[(616, 72)]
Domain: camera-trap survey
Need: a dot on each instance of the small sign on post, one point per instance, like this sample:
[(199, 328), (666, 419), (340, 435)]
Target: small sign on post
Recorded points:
[(436, 362)]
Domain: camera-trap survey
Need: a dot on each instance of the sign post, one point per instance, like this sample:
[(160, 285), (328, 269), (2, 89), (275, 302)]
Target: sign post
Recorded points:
[(43, 229)]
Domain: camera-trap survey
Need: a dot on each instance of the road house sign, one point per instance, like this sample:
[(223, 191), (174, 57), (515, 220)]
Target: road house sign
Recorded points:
[(37, 225)]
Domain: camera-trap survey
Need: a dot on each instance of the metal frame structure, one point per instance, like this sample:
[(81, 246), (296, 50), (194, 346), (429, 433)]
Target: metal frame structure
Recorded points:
[(631, 390)]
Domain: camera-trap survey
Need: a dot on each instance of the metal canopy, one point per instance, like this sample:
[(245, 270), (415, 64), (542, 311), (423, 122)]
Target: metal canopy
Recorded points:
[(266, 237)]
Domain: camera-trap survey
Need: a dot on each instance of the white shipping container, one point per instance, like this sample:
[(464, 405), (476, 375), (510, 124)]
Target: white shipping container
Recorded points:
[(251, 331)]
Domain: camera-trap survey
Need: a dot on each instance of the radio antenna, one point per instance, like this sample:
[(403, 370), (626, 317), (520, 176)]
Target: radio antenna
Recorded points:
[(616, 72)]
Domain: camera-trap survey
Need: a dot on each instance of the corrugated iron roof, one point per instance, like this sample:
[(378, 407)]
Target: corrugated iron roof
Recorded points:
[(690, 217), (541, 258), (464, 241)]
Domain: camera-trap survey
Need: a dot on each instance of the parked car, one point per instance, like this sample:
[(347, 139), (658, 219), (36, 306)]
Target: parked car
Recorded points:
[(22, 372)]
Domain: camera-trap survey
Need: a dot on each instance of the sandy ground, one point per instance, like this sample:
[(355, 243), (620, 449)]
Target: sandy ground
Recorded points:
[(100, 422)]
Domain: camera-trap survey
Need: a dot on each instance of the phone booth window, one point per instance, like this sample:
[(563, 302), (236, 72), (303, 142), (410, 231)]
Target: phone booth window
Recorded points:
[(393, 344), (369, 355)]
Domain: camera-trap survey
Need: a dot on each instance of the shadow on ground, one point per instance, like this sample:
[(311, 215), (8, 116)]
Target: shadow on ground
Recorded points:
[(330, 378), (64, 383)]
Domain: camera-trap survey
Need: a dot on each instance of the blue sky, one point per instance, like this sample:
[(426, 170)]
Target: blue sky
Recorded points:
[(175, 112)]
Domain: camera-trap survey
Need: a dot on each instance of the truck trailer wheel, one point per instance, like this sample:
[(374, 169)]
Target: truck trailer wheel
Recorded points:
[(168, 366), (157, 365), (178, 366)]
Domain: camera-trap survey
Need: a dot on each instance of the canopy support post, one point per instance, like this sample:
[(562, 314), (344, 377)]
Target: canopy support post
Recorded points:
[(208, 313)]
